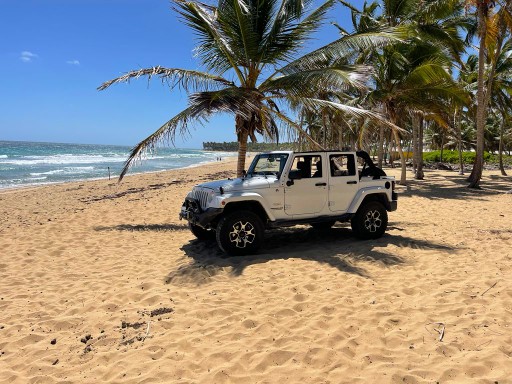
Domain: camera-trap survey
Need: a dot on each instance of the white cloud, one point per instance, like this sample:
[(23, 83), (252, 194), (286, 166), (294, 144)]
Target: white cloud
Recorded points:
[(27, 56), (73, 62)]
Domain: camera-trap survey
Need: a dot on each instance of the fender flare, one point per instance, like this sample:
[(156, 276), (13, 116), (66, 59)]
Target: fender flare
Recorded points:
[(245, 197), (364, 193)]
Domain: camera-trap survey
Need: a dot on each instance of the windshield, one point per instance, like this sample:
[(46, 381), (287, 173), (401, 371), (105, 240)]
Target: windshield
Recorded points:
[(268, 164)]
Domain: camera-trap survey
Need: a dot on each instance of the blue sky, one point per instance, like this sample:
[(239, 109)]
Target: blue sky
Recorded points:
[(55, 53)]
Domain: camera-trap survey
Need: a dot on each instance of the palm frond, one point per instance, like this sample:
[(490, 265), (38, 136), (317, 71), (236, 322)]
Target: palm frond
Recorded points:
[(166, 133), (288, 33), (346, 45), (292, 126), (202, 105), (323, 80), (183, 78), (213, 49)]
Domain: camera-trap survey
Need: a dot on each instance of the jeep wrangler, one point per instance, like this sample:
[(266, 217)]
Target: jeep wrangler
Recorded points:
[(285, 188)]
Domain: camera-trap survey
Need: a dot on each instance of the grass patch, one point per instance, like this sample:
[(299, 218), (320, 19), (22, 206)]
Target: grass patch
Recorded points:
[(467, 157)]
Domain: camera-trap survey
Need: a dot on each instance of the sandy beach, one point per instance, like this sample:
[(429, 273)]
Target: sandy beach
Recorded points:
[(101, 282)]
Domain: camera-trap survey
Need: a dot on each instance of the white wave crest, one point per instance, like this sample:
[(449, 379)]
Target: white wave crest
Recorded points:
[(66, 159)]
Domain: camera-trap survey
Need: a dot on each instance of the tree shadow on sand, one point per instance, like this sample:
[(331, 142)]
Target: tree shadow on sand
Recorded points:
[(336, 247), (455, 186)]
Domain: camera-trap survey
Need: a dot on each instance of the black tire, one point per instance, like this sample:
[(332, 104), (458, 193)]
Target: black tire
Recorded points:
[(370, 221), (201, 233), (324, 226), (240, 233)]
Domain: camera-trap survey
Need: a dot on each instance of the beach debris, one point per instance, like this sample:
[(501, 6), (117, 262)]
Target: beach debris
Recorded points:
[(439, 330), (160, 311), (125, 324), (488, 289), (53, 342), (147, 331), (55, 362), (86, 338)]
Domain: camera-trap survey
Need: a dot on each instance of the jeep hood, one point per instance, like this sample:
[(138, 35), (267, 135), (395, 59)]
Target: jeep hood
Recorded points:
[(239, 184)]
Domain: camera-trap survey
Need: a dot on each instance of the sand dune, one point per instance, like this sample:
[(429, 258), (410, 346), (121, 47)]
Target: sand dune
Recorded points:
[(101, 282)]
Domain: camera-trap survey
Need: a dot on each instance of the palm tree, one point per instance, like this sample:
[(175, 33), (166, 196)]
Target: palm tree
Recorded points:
[(250, 52), (501, 97), (491, 30), (412, 77)]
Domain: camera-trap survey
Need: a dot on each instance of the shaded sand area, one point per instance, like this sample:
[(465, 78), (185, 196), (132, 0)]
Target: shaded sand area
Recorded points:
[(103, 283)]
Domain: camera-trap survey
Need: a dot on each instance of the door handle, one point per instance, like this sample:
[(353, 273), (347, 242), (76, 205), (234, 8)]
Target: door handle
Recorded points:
[(320, 184), (352, 182)]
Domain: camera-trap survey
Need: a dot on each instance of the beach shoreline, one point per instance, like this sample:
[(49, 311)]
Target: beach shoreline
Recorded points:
[(101, 281), (130, 173)]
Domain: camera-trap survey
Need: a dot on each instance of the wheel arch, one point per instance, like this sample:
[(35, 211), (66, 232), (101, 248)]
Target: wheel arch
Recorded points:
[(248, 205), (364, 197), (378, 197)]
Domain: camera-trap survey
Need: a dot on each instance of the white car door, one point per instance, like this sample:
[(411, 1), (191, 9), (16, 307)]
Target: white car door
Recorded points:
[(308, 195), (344, 181)]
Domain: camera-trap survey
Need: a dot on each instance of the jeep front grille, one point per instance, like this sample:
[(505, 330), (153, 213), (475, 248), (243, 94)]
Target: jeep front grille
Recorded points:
[(202, 197)]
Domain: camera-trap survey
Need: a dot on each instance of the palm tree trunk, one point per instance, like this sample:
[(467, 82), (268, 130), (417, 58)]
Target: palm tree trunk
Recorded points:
[(390, 151), (415, 141), (242, 131), (299, 136), (392, 115), (418, 146), (419, 173), (442, 147), (324, 126), (478, 166), (459, 140), (380, 149), (500, 151), (403, 175)]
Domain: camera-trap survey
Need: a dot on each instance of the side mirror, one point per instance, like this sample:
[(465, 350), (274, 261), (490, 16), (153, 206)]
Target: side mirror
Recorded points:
[(294, 175), (244, 173)]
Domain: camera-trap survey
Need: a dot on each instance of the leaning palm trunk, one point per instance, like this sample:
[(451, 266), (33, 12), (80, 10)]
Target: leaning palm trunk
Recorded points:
[(483, 95), (478, 166)]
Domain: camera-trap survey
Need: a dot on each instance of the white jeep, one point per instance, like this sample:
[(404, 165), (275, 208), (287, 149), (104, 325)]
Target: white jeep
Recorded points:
[(286, 188)]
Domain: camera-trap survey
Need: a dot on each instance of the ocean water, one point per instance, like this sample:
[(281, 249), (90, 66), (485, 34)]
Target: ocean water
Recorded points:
[(28, 164)]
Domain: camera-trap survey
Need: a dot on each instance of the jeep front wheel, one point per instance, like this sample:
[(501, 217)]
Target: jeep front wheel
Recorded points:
[(240, 233), (370, 221)]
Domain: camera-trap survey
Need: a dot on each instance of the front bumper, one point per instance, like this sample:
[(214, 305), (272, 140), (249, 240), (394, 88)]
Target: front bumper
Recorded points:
[(191, 211)]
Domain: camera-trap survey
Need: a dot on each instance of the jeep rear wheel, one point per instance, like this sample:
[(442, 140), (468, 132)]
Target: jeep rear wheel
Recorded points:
[(240, 233), (201, 233), (370, 221)]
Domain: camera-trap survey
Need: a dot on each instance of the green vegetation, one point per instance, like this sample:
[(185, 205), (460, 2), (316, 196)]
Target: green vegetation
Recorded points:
[(467, 157)]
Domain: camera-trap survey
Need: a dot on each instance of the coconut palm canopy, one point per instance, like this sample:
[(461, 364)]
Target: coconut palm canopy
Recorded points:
[(250, 51)]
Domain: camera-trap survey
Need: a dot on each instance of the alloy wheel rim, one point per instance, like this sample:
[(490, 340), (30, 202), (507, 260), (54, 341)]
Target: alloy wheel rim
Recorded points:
[(372, 221), (242, 234)]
